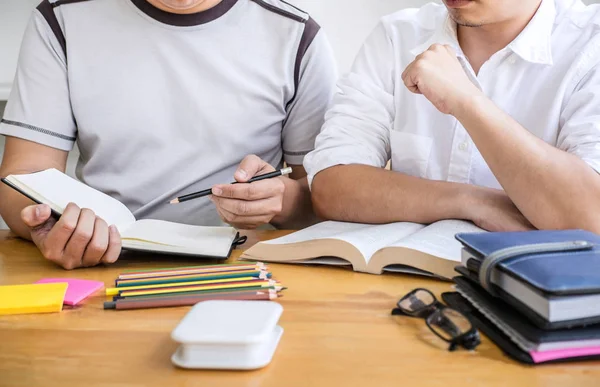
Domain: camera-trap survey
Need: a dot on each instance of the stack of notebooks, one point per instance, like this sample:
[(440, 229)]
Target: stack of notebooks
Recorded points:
[(541, 303), (190, 285)]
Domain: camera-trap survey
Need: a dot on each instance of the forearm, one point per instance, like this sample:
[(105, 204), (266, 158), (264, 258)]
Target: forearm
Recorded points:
[(11, 205), (553, 189), (21, 157), (297, 210), (365, 194)]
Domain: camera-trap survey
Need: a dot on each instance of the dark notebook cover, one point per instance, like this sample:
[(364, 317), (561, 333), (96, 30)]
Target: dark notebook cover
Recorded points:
[(523, 309), (504, 312), (557, 274), (456, 301)]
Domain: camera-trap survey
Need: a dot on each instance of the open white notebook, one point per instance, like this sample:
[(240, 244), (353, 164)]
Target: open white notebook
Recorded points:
[(398, 247), (56, 189)]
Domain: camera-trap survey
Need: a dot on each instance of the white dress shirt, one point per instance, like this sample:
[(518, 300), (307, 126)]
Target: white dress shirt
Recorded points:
[(548, 79)]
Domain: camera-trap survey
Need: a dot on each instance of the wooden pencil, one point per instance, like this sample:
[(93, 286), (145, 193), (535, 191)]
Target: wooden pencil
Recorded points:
[(186, 289), (200, 292), (191, 277), (114, 291), (186, 301), (190, 270)]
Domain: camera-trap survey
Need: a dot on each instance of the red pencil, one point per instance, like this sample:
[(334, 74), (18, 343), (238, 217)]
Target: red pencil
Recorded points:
[(163, 302)]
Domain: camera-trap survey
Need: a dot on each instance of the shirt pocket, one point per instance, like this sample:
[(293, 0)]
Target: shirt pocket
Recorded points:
[(410, 153)]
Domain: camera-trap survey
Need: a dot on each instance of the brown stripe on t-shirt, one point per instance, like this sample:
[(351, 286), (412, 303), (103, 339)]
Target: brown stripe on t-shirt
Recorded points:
[(311, 29), (46, 9)]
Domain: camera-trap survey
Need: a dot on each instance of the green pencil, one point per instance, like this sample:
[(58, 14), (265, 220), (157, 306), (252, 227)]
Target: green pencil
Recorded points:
[(189, 278)]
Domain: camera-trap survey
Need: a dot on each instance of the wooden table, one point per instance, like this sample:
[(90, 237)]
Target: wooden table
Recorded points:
[(337, 332)]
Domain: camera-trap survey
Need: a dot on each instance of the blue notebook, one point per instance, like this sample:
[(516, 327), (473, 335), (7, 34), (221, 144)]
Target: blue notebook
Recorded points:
[(560, 287)]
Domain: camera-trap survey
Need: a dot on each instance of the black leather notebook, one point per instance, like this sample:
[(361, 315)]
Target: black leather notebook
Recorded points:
[(508, 346), (515, 304), (525, 334)]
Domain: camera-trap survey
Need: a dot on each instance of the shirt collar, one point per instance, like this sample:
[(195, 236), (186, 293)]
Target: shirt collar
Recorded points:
[(445, 33), (533, 44)]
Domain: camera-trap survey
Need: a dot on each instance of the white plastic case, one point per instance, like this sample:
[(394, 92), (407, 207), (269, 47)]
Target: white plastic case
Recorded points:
[(236, 335)]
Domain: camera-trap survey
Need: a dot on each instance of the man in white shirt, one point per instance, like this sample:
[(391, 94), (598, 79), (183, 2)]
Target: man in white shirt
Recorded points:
[(164, 98), (488, 110)]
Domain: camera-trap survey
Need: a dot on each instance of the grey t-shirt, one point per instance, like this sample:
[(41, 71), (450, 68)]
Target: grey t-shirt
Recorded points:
[(162, 104)]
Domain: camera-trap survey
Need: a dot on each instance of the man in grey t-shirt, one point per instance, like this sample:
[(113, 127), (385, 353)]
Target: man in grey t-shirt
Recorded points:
[(165, 97)]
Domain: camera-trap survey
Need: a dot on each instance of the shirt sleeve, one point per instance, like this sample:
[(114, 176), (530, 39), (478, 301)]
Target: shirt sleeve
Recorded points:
[(39, 108), (317, 74), (357, 127), (580, 121)]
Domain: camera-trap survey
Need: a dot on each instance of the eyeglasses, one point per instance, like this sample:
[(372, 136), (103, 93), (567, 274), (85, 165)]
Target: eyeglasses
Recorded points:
[(448, 324)]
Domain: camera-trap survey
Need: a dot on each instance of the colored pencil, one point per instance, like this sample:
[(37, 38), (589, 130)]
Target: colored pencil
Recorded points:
[(263, 284), (193, 272), (190, 270), (217, 265), (113, 291), (201, 292), (191, 278), (185, 301)]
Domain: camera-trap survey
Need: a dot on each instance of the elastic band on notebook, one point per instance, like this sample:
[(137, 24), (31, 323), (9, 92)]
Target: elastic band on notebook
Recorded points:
[(491, 261), (239, 240)]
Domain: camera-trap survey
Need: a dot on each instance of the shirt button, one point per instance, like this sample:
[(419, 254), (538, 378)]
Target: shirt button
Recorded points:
[(512, 60), (463, 146)]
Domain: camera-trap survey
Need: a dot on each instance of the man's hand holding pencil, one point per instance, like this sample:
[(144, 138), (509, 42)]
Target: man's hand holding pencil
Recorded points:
[(255, 198), (247, 206)]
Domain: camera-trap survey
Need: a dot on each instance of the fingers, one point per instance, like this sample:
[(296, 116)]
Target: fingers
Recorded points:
[(251, 166), (53, 244), (81, 237), (98, 244), (410, 78), (36, 215), (78, 238), (450, 50), (38, 219), (244, 222), (242, 208), (413, 72), (254, 191), (249, 205), (114, 246)]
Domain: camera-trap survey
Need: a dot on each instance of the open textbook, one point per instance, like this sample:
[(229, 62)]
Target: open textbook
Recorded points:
[(56, 189), (398, 247)]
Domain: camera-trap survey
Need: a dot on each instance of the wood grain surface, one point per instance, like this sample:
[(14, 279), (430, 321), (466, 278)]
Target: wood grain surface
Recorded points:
[(337, 332)]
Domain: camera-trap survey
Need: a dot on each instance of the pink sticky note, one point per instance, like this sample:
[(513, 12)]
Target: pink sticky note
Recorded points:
[(78, 290), (540, 357)]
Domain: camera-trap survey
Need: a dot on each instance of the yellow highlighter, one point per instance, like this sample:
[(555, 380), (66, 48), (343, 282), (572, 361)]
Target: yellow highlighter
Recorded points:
[(34, 298), (115, 291)]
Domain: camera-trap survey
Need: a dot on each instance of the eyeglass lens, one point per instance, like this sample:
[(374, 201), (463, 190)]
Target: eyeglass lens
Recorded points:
[(448, 323), (417, 301)]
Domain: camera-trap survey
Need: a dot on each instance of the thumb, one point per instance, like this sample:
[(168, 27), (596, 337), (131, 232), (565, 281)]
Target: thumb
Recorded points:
[(251, 166), (35, 216)]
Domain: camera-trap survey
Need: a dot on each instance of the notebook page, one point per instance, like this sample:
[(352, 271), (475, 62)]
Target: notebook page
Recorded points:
[(366, 238), (53, 186), (212, 241), (438, 240)]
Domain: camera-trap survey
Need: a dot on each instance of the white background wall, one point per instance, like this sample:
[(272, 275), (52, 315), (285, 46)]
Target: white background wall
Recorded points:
[(13, 18)]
